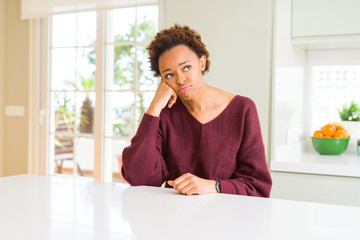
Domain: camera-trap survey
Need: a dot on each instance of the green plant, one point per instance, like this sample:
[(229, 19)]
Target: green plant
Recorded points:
[(64, 119), (87, 110), (350, 112), (64, 113)]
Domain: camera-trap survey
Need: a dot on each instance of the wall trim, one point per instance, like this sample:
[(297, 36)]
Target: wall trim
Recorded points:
[(38, 58), (2, 86)]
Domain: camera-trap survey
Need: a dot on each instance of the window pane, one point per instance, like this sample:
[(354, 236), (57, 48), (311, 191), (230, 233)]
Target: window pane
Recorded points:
[(143, 101), (63, 68), (123, 67), (85, 108), (86, 69), (64, 112), (71, 152), (64, 154), (146, 79), (113, 151), (84, 156), (63, 30), (121, 109), (147, 18), (86, 29), (333, 86), (121, 24)]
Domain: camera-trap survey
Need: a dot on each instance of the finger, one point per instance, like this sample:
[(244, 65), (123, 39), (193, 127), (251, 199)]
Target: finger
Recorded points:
[(181, 178), (183, 186), (170, 182), (185, 189), (172, 101), (192, 191)]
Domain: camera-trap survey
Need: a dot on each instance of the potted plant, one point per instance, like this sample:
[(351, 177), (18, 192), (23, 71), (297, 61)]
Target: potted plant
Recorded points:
[(350, 118), (87, 110)]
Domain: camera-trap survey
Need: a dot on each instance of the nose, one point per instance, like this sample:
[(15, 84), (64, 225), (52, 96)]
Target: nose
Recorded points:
[(180, 78)]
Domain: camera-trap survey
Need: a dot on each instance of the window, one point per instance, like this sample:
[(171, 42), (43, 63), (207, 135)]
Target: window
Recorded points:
[(127, 86), (334, 81)]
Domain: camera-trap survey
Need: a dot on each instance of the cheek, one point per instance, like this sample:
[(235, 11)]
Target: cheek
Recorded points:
[(197, 73)]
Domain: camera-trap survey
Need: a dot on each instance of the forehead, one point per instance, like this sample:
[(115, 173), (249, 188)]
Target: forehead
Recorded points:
[(175, 56)]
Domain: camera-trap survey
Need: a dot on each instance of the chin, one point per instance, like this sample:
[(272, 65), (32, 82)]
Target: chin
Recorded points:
[(187, 96)]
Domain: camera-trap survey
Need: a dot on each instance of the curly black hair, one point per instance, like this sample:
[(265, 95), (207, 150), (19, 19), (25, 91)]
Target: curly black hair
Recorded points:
[(172, 37)]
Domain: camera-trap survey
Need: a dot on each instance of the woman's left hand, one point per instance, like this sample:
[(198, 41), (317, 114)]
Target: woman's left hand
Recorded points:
[(190, 184)]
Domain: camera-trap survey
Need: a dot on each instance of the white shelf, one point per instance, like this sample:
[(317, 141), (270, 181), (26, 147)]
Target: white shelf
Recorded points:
[(294, 158), (343, 165)]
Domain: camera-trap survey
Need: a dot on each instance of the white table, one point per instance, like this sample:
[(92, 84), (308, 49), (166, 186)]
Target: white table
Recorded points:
[(38, 207)]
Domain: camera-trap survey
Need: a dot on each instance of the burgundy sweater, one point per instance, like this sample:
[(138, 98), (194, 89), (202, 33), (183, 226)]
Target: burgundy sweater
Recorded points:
[(229, 148)]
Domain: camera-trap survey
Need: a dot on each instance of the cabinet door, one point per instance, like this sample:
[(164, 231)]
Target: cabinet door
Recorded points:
[(321, 18)]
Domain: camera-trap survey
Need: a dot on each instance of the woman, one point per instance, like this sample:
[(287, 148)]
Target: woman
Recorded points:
[(196, 138)]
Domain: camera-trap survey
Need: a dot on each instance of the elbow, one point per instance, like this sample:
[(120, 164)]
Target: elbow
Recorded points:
[(141, 178), (265, 189)]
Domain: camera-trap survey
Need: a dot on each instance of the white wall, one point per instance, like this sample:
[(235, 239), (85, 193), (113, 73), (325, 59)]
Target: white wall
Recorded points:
[(289, 76), (2, 86), (238, 37)]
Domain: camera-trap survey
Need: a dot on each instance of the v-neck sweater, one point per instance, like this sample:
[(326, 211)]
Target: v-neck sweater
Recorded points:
[(229, 148)]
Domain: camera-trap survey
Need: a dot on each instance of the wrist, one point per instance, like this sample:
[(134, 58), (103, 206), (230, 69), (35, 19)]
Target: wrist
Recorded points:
[(154, 111)]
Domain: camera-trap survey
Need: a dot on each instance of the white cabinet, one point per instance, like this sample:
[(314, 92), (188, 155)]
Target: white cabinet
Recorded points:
[(330, 24), (316, 18)]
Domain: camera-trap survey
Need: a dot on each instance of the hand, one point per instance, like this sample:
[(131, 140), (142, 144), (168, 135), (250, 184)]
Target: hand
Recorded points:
[(190, 184), (164, 95)]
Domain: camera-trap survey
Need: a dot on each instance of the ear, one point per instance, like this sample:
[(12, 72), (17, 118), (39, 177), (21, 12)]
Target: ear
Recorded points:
[(202, 62)]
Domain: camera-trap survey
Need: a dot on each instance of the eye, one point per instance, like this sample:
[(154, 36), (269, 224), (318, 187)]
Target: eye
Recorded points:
[(187, 68), (170, 75)]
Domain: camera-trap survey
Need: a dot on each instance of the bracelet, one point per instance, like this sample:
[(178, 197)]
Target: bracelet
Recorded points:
[(217, 186)]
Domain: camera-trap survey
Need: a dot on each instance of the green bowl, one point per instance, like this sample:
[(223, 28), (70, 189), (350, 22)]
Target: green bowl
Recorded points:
[(330, 146)]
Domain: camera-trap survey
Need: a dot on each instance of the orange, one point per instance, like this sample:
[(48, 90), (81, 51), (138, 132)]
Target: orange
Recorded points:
[(328, 130), (340, 134), (318, 133)]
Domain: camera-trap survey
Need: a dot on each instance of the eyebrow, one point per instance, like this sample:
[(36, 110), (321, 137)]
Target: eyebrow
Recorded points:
[(168, 69)]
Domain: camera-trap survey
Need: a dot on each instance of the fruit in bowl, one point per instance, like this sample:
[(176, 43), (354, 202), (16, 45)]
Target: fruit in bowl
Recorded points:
[(332, 139)]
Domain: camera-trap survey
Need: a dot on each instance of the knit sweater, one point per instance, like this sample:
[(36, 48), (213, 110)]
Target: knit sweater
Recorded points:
[(229, 148)]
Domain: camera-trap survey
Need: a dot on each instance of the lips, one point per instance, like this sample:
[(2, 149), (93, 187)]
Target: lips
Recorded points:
[(184, 88)]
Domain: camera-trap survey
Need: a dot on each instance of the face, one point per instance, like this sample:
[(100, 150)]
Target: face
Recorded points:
[(182, 70)]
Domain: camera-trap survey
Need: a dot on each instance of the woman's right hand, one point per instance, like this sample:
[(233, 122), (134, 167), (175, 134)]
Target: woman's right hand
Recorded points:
[(164, 95)]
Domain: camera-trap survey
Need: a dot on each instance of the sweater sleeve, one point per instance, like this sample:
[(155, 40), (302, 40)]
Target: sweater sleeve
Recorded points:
[(143, 163), (251, 177)]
